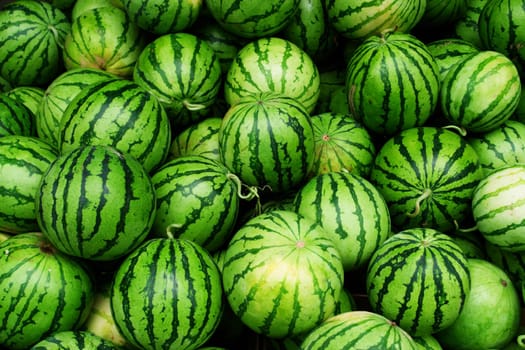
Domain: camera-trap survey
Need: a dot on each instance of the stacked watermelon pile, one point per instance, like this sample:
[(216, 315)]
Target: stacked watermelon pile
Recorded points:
[(286, 174)]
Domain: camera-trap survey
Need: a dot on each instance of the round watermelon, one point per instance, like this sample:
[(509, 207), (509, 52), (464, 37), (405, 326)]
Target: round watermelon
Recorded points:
[(96, 203), (74, 339), (167, 294), (15, 117), (201, 138)]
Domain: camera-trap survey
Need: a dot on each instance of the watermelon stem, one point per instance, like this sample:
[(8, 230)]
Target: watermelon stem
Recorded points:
[(193, 106), (426, 193), (461, 130), (521, 340), (253, 192), (465, 230), (170, 230)]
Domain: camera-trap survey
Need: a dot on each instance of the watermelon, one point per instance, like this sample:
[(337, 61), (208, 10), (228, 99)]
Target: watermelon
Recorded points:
[(44, 291), (427, 176), (500, 147), (201, 138), (512, 263), (467, 26), (427, 342), (472, 244), (309, 28), (342, 143), (59, 93), (420, 279), (282, 274), (478, 326), (358, 330), (352, 212), (276, 65), (481, 92), (118, 113), (332, 92), (29, 96), (498, 207), (15, 117), (23, 162), (82, 6), (32, 34), (267, 140), (104, 38), (167, 294), (197, 199), (449, 52), (392, 83), (439, 14), (96, 203), (74, 339), (355, 19), (252, 20), (183, 72), (160, 16)]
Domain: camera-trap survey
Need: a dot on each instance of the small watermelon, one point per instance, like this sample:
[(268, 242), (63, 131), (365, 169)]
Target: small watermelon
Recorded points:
[(73, 340)]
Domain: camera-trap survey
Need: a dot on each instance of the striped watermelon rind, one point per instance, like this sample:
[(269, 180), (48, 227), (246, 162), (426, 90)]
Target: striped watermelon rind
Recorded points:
[(32, 34), (448, 52), (45, 291), (281, 274), (23, 162), (74, 339), (15, 117), (201, 138), (167, 294), (29, 96), (96, 203), (467, 27), (498, 207), (419, 278)]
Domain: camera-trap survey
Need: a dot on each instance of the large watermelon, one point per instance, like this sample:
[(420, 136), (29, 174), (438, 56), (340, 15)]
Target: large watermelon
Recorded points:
[(183, 72), (43, 291), (282, 274), (467, 27), (167, 295), (267, 140), (32, 34), (29, 96), (96, 203), (273, 64), (197, 199), (23, 162), (392, 83), (15, 117), (419, 278), (427, 176), (121, 114)]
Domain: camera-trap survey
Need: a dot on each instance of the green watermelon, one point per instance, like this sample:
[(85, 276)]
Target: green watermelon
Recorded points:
[(467, 26), (358, 330), (332, 92), (440, 14), (356, 19), (419, 278), (267, 140), (449, 52), (352, 212), (81, 6), (118, 113), (498, 207), (32, 34), (29, 96), (276, 65), (252, 20), (341, 144), (183, 72), (201, 138), (167, 295), (491, 315), (23, 162), (73, 340), (160, 16), (392, 83), (282, 274), (104, 38), (427, 176), (427, 342), (43, 291), (513, 263), (481, 92), (96, 203), (197, 199), (15, 117)]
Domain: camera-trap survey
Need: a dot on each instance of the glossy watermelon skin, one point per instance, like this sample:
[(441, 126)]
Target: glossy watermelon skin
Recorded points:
[(74, 339), (197, 199), (481, 92), (392, 83), (358, 330), (419, 278), (96, 203), (497, 204), (273, 64), (121, 114), (167, 294), (45, 291), (23, 162), (184, 73), (450, 51), (467, 27), (201, 138), (427, 175), (15, 117), (104, 38), (267, 140), (32, 34), (29, 96)]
